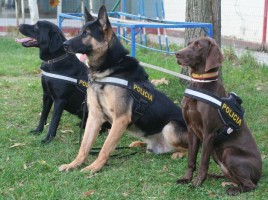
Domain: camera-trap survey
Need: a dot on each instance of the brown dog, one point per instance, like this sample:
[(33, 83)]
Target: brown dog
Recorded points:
[(238, 156)]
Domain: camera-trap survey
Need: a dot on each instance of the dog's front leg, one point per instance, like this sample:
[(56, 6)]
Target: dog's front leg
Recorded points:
[(92, 129), (57, 113), (192, 155), (47, 104), (118, 127), (207, 148)]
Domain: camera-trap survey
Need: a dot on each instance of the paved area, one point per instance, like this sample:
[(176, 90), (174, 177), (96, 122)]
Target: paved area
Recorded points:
[(261, 56)]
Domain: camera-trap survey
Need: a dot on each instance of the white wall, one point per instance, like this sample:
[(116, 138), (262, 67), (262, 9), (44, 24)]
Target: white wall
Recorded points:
[(241, 19)]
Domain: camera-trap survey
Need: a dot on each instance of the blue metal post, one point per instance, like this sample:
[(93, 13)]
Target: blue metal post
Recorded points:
[(139, 15), (144, 29), (133, 42), (163, 18), (158, 29)]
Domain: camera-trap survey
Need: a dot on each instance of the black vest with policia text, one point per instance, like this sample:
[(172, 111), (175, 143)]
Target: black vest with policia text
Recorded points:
[(229, 109)]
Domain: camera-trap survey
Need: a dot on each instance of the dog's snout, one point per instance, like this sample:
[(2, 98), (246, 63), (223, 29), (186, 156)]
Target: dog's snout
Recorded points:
[(178, 54)]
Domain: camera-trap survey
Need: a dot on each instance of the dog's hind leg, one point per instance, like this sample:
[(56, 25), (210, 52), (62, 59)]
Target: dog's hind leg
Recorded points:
[(58, 110), (177, 137), (47, 104), (118, 127), (243, 171)]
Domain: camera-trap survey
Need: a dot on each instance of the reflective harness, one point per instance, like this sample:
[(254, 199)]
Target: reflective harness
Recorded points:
[(81, 84), (229, 109), (140, 91)]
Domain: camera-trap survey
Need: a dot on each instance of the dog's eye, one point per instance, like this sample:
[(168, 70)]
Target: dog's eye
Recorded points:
[(86, 32), (197, 45)]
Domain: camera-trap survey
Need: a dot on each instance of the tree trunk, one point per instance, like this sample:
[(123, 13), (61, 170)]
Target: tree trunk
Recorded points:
[(206, 11), (33, 11), (216, 20)]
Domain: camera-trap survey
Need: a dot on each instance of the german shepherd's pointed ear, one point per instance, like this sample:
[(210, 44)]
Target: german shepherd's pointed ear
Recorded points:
[(215, 57), (103, 18), (87, 15)]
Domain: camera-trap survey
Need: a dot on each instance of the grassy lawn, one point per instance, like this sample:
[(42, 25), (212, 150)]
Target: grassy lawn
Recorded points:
[(29, 170)]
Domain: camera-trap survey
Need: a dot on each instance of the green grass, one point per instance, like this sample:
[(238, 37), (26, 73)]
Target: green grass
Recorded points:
[(29, 170)]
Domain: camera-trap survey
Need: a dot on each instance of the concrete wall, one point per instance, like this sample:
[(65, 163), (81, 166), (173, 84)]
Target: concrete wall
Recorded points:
[(241, 19)]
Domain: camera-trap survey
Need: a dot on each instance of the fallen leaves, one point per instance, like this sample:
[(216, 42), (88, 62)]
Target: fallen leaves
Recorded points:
[(89, 193), (67, 131), (16, 145), (262, 87), (161, 81)]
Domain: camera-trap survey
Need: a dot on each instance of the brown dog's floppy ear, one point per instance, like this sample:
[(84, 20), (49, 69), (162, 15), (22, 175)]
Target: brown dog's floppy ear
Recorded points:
[(103, 18), (87, 15), (214, 58)]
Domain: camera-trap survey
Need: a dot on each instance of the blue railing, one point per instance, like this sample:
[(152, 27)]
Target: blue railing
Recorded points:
[(136, 26)]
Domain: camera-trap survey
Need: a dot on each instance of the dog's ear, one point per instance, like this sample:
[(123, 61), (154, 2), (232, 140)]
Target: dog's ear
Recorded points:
[(87, 15), (103, 19), (214, 57), (55, 43)]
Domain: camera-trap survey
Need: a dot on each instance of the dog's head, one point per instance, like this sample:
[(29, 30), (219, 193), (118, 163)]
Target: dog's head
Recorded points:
[(201, 55), (44, 35), (96, 39)]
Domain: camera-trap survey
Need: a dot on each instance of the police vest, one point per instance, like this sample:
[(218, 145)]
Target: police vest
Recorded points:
[(141, 91), (229, 109)]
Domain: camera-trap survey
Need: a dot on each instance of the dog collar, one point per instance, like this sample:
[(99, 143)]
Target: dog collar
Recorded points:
[(207, 77), (56, 59)]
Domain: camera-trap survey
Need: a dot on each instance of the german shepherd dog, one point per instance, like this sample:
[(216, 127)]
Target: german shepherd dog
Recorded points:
[(62, 93), (136, 106)]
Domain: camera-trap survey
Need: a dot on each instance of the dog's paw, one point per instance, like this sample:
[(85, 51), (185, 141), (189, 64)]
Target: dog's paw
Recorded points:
[(91, 168), (197, 181), (66, 167), (233, 191), (178, 155), (137, 144), (47, 140), (35, 131), (183, 181)]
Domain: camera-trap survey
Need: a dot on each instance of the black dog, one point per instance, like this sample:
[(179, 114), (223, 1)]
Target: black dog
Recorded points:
[(64, 77), (121, 93)]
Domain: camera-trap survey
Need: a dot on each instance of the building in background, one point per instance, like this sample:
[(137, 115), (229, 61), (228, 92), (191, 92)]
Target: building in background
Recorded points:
[(241, 19)]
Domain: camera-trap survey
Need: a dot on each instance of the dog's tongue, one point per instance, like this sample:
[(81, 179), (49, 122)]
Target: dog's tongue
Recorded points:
[(23, 40)]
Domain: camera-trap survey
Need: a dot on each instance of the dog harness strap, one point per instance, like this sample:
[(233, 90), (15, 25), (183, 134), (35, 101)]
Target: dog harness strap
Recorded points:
[(81, 84), (207, 98), (112, 80), (229, 109), (57, 76), (141, 95)]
